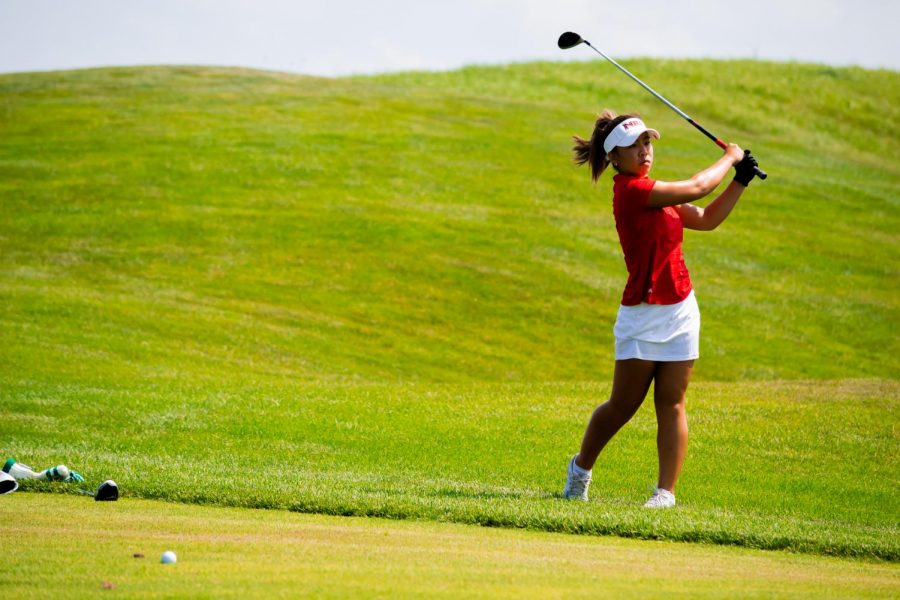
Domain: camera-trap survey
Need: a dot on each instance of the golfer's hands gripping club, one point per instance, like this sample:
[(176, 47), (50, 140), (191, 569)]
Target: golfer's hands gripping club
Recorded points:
[(746, 169), (734, 152), (754, 169)]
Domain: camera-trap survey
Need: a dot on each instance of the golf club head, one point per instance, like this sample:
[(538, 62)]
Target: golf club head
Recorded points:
[(107, 491), (8, 483), (568, 40)]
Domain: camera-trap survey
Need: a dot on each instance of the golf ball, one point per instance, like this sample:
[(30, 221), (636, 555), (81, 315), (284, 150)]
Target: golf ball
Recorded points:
[(168, 557)]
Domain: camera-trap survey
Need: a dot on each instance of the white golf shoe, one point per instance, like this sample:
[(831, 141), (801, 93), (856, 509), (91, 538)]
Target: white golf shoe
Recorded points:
[(576, 483), (661, 499)]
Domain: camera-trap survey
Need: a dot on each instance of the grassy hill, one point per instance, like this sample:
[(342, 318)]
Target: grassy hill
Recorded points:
[(394, 295), (172, 223)]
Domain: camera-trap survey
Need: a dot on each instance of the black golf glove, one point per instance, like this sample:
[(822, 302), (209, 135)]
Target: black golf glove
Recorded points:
[(745, 171)]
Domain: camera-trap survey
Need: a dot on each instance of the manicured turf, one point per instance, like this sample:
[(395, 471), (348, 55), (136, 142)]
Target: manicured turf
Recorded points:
[(208, 224), (393, 296), (57, 546), (808, 466)]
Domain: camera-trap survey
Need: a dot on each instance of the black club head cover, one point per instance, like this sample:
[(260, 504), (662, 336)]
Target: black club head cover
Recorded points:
[(107, 491)]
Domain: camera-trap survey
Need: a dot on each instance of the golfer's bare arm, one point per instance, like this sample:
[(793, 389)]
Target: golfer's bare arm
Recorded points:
[(710, 217), (672, 193), (679, 194)]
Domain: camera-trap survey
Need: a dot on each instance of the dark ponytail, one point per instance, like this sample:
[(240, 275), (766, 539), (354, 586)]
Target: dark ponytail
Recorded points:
[(591, 151)]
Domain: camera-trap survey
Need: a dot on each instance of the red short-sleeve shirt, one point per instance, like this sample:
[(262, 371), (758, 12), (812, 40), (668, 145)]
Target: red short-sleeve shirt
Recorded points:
[(651, 240)]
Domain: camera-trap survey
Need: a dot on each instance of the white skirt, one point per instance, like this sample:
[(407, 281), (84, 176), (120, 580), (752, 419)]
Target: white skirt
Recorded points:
[(660, 332)]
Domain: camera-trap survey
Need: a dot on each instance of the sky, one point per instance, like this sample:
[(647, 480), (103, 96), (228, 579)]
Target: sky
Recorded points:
[(342, 37)]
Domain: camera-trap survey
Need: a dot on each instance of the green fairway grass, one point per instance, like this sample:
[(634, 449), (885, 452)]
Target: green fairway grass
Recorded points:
[(393, 296), (72, 547), (807, 466), (209, 224)]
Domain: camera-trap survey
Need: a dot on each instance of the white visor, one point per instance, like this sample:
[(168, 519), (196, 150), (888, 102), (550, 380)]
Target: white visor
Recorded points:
[(626, 133)]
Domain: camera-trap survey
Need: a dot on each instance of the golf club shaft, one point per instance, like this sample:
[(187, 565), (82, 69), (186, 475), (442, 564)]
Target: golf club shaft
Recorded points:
[(759, 172)]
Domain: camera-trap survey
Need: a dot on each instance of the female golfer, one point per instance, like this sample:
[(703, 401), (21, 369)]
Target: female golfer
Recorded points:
[(657, 328)]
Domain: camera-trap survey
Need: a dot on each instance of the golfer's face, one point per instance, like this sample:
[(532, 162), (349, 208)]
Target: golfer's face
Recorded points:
[(637, 158)]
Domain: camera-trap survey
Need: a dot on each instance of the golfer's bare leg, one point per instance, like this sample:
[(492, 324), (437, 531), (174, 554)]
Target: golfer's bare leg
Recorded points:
[(669, 388), (631, 381)]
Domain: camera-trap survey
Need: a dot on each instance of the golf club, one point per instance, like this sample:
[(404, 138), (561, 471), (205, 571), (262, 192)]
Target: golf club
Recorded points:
[(570, 39)]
